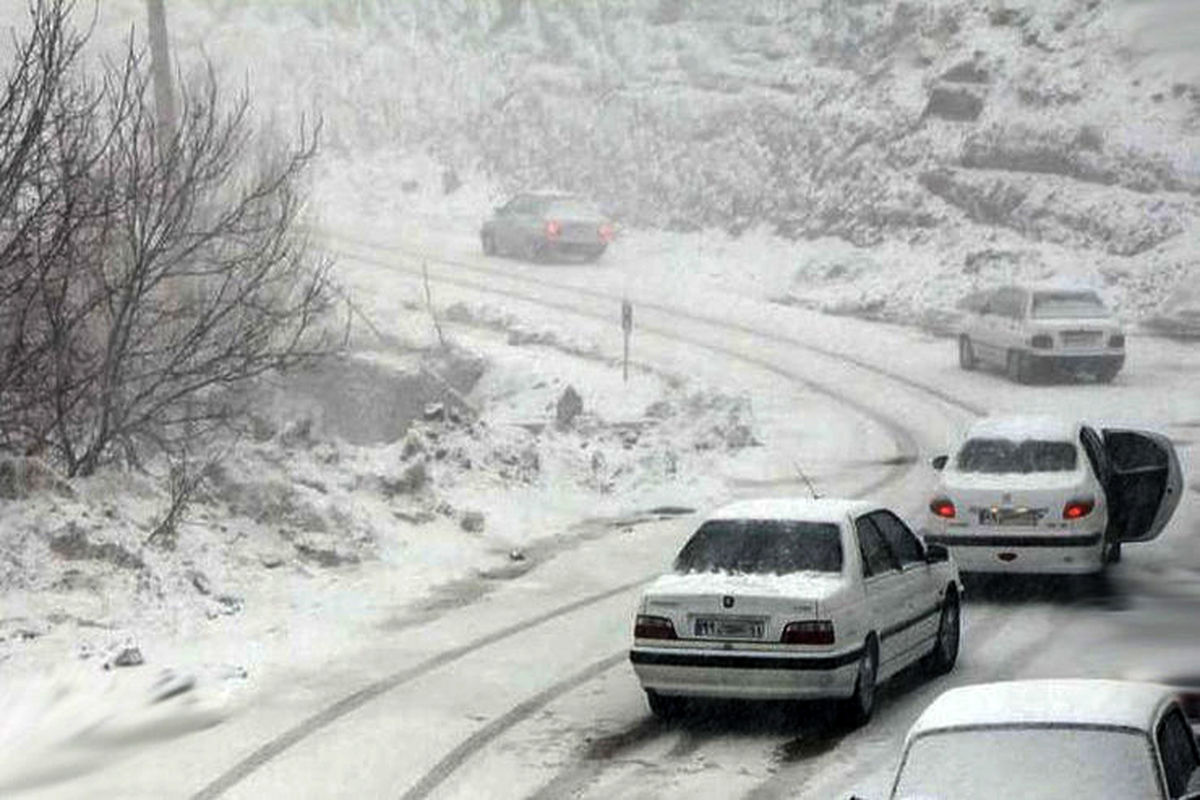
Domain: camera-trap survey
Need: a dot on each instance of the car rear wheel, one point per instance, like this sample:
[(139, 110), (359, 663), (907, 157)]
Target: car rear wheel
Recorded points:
[(966, 353), (1018, 367), (945, 650), (595, 252), (1106, 374), (856, 710), (663, 706)]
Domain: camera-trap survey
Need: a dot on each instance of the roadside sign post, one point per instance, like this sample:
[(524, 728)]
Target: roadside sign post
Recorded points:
[(626, 328)]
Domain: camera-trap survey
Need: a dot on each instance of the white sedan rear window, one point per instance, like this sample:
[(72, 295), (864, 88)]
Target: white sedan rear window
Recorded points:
[(1032, 763), (778, 547), (998, 456)]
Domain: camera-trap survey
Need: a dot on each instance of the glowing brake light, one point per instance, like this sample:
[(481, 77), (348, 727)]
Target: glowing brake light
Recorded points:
[(553, 229), (648, 627), (607, 232), (809, 632), (1078, 509), (942, 507)]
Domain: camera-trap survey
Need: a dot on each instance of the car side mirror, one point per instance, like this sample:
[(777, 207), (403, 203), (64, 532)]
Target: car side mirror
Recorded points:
[(936, 554), (939, 462)]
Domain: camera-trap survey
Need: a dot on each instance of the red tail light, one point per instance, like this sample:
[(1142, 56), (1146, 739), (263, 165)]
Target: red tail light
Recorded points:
[(647, 627), (942, 507), (1078, 509), (607, 233), (809, 632), (553, 229)]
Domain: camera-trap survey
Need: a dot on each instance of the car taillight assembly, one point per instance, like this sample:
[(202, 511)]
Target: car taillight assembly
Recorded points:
[(553, 229), (648, 627), (808, 632), (607, 233), (1078, 509), (1043, 341), (942, 507), (1116, 340)]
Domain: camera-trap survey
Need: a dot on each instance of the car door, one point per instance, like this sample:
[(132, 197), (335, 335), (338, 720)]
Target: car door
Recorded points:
[(914, 632), (982, 332), (1009, 322), (512, 233), (884, 586), (1145, 483)]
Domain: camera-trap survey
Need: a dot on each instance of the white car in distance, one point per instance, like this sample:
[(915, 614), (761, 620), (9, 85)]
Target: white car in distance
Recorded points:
[(1049, 740), (1029, 330), (1043, 495), (796, 599)]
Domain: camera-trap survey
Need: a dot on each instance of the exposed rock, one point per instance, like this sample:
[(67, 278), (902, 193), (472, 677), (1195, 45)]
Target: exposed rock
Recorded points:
[(472, 521), (568, 407), (201, 582), (954, 103), (126, 657), (73, 545), (966, 72), (434, 412)]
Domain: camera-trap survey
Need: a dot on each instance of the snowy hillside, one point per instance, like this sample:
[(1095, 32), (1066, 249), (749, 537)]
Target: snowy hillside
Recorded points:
[(955, 144)]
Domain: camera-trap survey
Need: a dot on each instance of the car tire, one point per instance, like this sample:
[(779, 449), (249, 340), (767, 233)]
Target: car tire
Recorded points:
[(945, 648), (488, 241), (536, 251), (1017, 367), (966, 353), (595, 253), (857, 709), (1106, 374), (1112, 555), (663, 706)]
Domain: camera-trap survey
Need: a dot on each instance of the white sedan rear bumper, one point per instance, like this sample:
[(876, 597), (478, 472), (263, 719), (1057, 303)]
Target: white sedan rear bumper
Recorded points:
[(746, 675), (1022, 552)]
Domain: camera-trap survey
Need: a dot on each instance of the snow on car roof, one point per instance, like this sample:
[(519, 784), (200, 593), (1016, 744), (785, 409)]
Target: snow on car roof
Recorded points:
[(1021, 427), (825, 509), (1069, 701)]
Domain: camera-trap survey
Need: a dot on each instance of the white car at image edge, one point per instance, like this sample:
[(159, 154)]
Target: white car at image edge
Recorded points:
[(796, 599), (1048, 740), (1039, 494)]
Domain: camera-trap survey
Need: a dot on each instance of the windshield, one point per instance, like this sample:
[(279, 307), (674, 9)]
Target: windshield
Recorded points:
[(1070, 305), (774, 547), (1032, 763), (998, 456)]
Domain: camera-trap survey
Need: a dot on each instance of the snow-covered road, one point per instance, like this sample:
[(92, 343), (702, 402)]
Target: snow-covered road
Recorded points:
[(530, 694)]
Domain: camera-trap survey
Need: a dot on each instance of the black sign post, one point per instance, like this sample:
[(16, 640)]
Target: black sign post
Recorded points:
[(627, 328)]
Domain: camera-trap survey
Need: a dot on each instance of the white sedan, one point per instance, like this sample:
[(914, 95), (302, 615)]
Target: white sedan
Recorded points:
[(796, 599), (1051, 739), (1047, 495)]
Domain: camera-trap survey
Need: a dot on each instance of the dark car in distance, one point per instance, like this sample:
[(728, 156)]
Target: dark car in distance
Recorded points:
[(543, 225)]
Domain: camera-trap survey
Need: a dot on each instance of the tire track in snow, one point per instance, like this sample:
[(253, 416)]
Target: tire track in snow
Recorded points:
[(902, 437)]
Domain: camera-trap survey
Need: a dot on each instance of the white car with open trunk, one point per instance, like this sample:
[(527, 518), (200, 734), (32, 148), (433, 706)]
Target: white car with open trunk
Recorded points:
[(1051, 739), (796, 599), (1039, 494)]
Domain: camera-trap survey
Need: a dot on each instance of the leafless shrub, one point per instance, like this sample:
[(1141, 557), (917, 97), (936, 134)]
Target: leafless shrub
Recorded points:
[(143, 272)]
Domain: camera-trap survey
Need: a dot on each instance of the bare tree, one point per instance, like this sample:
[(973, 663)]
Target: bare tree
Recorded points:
[(143, 272)]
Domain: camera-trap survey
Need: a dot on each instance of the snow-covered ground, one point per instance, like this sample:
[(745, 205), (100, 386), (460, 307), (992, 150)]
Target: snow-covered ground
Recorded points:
[(334, 520)]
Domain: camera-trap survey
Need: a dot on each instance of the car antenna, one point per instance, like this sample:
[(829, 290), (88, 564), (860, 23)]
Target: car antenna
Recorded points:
[(807, 482)]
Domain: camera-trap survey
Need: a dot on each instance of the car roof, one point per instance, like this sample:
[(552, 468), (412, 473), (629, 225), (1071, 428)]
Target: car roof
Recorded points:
[(1025, 426), (825, 509), (1076, 701)]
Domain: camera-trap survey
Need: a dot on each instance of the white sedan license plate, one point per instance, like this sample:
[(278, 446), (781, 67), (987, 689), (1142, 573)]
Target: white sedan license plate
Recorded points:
[(1025, 517), (729, 628)]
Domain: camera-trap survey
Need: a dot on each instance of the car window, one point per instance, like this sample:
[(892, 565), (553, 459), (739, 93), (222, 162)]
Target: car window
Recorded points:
[(762, 547), (1008, 302), (573, 206), (899, 538), (877, 557), (1032, 763), (1177, 747), (1068, 305), (1094, 449), (1000, 456)]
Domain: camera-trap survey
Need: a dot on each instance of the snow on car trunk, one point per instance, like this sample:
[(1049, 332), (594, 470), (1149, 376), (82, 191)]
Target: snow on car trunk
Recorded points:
[(731, 606)]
